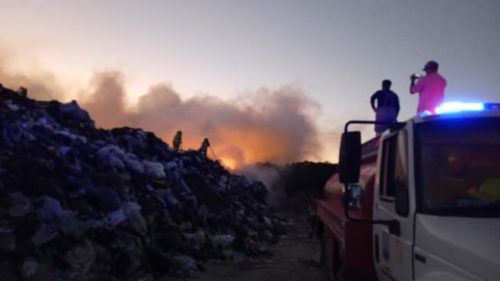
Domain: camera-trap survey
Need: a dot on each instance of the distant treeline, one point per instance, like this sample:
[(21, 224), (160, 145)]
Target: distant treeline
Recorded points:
[(309, 177)]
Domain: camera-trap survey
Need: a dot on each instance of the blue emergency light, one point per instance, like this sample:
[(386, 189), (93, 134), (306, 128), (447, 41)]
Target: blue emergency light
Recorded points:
[(458, 107), (455, 107)]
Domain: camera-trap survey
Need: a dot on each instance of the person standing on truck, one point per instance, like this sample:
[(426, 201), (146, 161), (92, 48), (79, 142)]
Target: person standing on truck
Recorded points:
[(385, 103), (430, 88)]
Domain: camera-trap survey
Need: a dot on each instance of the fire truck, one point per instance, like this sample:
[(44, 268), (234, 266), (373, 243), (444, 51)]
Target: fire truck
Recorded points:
[(419, 202)]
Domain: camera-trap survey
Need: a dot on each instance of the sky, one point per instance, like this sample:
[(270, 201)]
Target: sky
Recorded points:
[(335, 53)]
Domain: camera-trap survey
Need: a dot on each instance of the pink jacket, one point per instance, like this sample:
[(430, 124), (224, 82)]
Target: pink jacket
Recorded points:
[(431, 91)]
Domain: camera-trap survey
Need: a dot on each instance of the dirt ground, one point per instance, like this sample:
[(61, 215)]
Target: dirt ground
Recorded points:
[(296, 256)]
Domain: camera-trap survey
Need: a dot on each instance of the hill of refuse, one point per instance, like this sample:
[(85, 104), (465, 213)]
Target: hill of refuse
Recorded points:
[(82, 203)]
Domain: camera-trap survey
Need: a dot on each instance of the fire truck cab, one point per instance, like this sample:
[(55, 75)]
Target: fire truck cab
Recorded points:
[(420, 202)]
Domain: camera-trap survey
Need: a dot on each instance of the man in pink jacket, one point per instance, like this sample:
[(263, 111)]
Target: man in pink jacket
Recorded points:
[(430, 88)]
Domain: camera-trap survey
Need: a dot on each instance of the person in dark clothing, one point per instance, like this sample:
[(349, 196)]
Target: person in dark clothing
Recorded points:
[(204, 146), (385, 103), (177, 142)]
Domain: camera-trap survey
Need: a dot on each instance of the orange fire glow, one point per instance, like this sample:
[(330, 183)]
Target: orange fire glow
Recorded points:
[(229, 163), (274, 127)]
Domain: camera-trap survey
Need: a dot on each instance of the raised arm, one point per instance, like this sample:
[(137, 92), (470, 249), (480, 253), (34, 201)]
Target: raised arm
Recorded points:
[(413, 88)]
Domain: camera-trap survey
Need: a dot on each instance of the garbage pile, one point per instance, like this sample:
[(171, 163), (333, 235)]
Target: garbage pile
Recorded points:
[(81, 203)]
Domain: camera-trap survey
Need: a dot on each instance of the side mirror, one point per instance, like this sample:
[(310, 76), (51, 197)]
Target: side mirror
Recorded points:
[(350, 157), (353, 196)]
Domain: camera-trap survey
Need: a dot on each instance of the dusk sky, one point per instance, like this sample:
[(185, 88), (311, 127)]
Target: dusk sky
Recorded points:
[(336, 52)]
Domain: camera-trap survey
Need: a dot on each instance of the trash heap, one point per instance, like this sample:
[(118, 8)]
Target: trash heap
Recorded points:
[(82, 203)]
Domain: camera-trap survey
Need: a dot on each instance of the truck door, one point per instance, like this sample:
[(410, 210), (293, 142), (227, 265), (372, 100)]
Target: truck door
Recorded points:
[(393, 251)]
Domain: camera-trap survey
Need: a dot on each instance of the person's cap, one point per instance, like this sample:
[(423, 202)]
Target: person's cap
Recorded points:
[(431, 65)]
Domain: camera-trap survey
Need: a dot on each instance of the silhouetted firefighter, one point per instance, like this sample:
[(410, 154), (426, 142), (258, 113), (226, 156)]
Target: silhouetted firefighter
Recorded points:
[(177, 142), (204, 146), (23, 91)]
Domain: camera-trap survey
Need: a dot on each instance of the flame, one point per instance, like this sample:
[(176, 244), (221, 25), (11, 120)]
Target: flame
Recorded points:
[(229, 163)]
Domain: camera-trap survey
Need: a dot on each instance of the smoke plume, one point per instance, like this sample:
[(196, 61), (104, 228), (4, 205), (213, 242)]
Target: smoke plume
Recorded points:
[(265, 125), (273, 125), (105, 100), (40, 84)]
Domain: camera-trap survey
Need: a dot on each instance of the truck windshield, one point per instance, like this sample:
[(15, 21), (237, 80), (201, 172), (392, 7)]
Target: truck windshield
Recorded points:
[(458, 167)]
